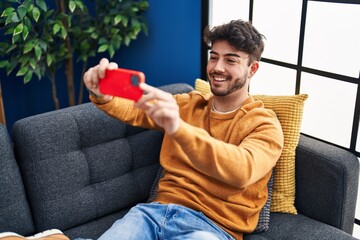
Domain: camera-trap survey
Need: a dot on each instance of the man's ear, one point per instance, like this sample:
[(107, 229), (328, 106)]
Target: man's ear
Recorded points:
[(253, 68)]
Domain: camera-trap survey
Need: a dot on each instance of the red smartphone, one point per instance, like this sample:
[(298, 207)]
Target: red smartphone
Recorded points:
[(122, 83)]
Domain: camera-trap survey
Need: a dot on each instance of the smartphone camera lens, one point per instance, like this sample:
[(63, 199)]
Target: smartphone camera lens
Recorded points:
[(135, 80)]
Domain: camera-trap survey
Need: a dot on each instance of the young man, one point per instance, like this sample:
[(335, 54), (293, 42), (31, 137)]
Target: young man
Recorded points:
[(218, 150)]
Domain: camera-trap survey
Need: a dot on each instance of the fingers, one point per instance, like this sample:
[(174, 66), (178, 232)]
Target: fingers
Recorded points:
[(93, 75), (103, 65), (113, 66), (153, 93), (161, 107)]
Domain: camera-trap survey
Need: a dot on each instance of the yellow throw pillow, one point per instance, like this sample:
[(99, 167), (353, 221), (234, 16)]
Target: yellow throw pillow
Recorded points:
[(289, 110)]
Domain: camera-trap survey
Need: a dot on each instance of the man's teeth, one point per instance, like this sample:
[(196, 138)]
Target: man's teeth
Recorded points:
[(220, 79)]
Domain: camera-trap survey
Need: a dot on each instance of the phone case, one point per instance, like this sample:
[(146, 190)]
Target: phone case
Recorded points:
[(122, 83)]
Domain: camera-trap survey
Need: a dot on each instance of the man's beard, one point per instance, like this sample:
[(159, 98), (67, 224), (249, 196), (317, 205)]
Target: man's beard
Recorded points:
[(237, 84)]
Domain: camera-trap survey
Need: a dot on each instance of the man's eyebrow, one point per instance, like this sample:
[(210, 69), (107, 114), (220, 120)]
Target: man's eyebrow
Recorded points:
[(227, 54)]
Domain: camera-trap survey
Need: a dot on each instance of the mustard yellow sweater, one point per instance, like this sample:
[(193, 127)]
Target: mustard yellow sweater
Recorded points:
[(218, 164)]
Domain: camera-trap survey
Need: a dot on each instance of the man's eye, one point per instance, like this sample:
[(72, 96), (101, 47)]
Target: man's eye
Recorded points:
[(213, 58), (231, 61)]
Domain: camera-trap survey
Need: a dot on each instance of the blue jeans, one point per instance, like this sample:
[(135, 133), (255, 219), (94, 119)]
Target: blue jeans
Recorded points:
[(164, 221)]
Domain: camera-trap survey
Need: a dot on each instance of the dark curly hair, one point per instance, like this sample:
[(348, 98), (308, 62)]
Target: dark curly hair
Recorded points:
[(240, 35)]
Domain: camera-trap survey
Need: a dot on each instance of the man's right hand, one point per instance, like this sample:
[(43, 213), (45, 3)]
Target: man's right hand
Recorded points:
[(93, 75)]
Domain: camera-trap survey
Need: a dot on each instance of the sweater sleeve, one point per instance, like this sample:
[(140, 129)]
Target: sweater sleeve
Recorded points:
[(125, 111), (238, 165)]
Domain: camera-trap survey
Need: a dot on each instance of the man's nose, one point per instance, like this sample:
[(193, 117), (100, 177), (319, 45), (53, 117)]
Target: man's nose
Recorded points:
[(219, 66)]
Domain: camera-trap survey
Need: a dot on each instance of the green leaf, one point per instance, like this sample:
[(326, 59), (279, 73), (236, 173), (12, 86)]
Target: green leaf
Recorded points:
[(84, 45), (41, 4), (12, 47), (117, 19), (107, 20), (37, 71), (36, 14), (143, 5), (7, 11), (29, 8), (144, 28), (94, 35), (19, 29), (43, 45), (134, 9), (27, 22), (111, 51), (102, 40), (49, 59), (80, 5), (56, 28), (12, 18), (72, 6), (103, 48), (90, 30), (25, 32), (16, 39), (28, 47), (9, 31), (127, 41), (125, 21), (28, 77), (38, 52), (22, 71), (21, 10), (4, 63), (63, 32), (32, 63), (10, 68)]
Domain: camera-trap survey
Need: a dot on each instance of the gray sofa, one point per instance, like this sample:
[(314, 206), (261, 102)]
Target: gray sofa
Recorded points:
[(78, 170)]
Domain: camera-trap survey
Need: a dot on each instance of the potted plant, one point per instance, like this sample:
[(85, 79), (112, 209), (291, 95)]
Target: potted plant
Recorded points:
[(40, 38)]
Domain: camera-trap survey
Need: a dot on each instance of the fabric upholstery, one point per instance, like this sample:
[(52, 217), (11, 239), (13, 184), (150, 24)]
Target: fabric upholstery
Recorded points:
[(298, 227), (264, 218), (14, 209), (289, 111), (326, 183), (80, 165), (96, 165)]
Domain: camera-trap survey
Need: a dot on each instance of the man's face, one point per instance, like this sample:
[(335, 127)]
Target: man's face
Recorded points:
[(227, 69)]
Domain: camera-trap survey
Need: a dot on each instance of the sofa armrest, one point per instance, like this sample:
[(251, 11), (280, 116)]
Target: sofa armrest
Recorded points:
[(326, 183)]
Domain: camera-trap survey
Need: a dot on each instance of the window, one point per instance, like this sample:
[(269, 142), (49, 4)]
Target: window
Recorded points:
[(311, 46)]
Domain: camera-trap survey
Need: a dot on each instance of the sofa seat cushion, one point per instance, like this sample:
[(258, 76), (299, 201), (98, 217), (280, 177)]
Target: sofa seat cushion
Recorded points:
[(95, 228), (284, 226)]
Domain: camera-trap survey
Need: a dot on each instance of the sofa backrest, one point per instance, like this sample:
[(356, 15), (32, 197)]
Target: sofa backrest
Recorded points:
[(79, 164), (15, 213)]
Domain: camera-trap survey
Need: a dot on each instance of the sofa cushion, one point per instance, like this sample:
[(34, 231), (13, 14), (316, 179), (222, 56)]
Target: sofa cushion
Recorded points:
[(284, 226), (94, 229), (289, 110), (15, 213)]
